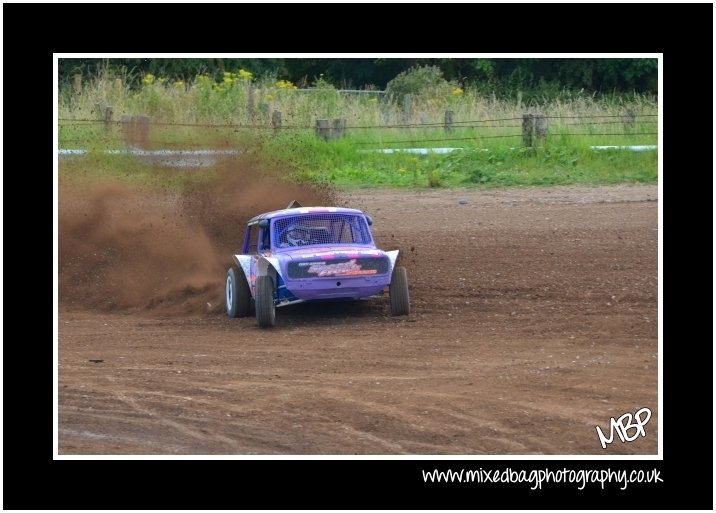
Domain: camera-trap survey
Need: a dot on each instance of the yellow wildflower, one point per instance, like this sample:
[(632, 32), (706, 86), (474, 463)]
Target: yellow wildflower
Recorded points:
[(148, 79), (245, 75), (285, 84), (457, 91)]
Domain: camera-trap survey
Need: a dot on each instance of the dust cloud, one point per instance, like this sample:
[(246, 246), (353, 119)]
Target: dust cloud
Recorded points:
[(136, 249)]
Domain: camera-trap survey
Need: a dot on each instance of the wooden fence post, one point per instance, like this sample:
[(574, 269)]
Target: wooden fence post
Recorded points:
[(117, 86), (108, 118), (323, 130), (251, 105), (527, 128), (77, 84), (629, 119), (448, 120), (408, 108), (276, 121), (540, 127), (339, 128)]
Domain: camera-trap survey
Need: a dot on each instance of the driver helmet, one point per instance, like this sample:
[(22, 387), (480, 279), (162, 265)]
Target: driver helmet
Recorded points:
[(298, 234)]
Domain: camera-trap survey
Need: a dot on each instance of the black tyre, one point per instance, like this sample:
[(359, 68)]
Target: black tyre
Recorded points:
[(238, 295), (399, 295), (265, 306)]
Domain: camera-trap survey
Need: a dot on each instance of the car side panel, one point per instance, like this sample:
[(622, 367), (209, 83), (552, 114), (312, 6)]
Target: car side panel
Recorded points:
[(393, 256), (245, 264)]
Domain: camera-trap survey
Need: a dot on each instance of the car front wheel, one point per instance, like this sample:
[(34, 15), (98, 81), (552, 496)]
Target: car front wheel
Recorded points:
[(399, 295), (238, 295), (265, 304)]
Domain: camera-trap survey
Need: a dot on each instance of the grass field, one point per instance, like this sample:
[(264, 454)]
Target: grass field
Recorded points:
[(236, 113)]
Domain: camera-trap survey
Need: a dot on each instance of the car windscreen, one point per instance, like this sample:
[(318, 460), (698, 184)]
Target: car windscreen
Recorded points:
[(320, 229)]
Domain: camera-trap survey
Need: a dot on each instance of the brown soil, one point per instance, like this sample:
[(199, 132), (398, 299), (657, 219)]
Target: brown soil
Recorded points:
[(534, 321)]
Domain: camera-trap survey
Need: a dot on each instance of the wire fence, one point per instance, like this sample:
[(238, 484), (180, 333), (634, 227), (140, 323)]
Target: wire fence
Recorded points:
[(135, 131), (616, 119)]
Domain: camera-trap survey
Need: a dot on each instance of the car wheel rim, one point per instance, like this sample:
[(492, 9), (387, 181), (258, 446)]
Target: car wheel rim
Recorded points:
[(229, 298)]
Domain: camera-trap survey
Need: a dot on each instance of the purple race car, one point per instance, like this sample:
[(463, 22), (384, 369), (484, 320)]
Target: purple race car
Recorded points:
[(309, 254)]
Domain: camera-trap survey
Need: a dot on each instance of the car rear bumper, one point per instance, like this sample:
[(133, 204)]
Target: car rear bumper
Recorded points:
[(337, 287)]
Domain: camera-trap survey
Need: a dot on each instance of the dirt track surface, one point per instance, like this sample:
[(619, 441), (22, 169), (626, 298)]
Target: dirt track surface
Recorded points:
[(534, 321)]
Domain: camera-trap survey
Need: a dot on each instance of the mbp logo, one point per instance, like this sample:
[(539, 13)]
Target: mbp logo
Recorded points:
[(622, 426)]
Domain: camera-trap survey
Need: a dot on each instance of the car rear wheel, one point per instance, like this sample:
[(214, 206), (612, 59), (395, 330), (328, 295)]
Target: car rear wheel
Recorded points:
[(265, 304), (399, 295), (238, 295)]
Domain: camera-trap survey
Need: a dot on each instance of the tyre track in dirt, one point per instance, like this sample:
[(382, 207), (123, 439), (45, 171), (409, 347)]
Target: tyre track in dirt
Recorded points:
[(534, 320)]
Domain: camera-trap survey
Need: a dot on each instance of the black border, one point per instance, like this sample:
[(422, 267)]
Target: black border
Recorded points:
[(32, 480)]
